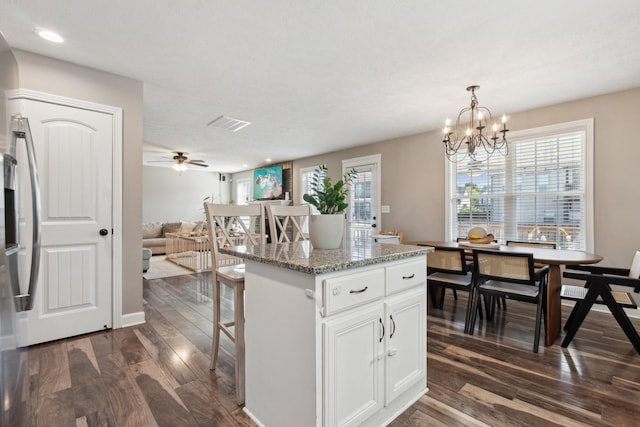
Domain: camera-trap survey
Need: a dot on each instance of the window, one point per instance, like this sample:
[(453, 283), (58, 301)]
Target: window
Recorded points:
[(541, 191), (360, 199), (243, 191), (306, 174)]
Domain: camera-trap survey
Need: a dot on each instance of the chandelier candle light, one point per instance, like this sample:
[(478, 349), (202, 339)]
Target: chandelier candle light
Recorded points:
[(475, 135)]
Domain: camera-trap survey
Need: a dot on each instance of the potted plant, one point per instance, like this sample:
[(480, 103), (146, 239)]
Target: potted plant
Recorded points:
[(326, 229)]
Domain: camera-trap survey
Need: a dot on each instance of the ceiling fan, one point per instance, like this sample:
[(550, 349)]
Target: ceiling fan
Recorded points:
[(181, 161)]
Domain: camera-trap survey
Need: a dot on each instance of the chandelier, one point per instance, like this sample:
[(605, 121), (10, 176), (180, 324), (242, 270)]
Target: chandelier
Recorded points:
[(474, 135)]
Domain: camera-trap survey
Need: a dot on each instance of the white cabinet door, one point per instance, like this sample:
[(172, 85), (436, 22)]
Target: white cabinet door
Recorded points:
[(405, 350), (353, 366)]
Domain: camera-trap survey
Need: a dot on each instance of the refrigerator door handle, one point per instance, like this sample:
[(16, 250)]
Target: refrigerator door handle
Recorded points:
[(22, 130)]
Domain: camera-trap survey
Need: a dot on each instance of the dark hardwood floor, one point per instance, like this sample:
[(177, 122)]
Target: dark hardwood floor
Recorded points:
[(158, 373)]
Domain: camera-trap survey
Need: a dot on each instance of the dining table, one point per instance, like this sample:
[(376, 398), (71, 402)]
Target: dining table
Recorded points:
[(554, 258)]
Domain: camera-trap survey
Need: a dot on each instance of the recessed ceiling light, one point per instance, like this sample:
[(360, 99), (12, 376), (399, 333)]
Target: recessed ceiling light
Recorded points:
[(50, 35), (267, 160), (244, 165)]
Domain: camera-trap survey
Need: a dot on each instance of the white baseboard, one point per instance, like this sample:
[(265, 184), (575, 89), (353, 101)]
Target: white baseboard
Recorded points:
[(603, 308), (132, 319)]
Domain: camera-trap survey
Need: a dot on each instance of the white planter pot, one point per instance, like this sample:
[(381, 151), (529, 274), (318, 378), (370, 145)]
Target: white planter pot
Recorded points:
[(325, 231)]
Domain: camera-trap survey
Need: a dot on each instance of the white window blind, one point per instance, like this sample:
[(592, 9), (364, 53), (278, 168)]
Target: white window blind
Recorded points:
[(306, 174), (539, 192)]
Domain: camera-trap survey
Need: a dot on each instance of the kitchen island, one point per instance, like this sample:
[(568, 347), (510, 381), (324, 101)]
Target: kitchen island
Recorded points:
[(333, 337)]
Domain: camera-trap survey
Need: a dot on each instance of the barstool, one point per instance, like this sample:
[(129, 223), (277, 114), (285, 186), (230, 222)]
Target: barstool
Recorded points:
[(286, 223), (231, 225)]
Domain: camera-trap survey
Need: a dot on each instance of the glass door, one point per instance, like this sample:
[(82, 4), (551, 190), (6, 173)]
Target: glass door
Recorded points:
[(363, 213)]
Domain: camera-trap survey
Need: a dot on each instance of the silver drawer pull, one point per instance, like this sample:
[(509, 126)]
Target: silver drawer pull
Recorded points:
[(358, 291), (409, 277)]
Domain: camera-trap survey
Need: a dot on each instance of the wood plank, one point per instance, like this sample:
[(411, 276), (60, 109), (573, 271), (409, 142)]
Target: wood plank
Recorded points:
[(202, 403), (99, 418), (90, 397), (83, 365), (165, 404), (516, 409), (53, 370), (56, 408), (116, 377), (172, 366), (133, 350), (129, 407)]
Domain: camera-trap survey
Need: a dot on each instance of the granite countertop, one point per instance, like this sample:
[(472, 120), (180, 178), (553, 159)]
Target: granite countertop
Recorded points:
[(300, 256)]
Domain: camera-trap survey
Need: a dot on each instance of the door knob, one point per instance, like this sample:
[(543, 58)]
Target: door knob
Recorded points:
[(104, 231)]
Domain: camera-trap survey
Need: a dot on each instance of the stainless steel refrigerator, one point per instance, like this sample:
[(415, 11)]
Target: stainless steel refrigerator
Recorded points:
[(15, 298)]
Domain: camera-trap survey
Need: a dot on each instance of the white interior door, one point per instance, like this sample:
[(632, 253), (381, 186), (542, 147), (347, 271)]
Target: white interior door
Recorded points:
[(74, 156), (363, 213)]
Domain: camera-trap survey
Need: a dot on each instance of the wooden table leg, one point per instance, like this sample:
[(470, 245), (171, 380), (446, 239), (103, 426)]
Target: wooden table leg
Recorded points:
[(554, 312)]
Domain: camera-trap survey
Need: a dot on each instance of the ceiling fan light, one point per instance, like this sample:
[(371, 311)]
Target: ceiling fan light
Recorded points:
[(180, 167)]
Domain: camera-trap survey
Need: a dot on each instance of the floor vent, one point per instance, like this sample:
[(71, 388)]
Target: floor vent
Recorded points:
[(228, 123)]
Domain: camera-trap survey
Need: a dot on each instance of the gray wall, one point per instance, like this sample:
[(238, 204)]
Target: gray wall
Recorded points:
[(413, 173), (65, 79), (412, 167), (170, 197)]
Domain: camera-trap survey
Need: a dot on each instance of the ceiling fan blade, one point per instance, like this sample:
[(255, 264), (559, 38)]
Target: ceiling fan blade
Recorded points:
[(196, 164), (196, 161), (160, 161)]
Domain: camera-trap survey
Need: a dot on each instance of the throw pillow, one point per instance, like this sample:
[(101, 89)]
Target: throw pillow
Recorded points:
[(187, 227), (151, 230), (170, 227)]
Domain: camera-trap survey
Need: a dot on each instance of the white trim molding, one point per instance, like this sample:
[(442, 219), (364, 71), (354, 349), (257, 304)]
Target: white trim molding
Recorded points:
[(132, 319)]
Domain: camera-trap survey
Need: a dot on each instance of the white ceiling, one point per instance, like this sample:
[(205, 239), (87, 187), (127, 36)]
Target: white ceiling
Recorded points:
[(317, 76)]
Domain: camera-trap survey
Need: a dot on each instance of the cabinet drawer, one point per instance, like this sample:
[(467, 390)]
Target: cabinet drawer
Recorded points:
[(347, 291), (406, 275)]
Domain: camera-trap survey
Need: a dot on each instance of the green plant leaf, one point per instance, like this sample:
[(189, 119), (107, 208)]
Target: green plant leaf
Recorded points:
[(329, 198)]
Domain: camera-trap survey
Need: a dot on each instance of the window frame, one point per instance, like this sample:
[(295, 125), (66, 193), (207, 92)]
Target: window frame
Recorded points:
[(301, 173), (584, 125), (242, 181)]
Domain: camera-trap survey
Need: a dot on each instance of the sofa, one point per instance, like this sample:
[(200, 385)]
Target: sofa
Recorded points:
[(154, 233)]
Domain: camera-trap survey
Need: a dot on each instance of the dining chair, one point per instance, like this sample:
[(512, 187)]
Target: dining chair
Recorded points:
[(231, 225), (510, 275), (447, 268), (533, 244), (286, 223), (597, 290)]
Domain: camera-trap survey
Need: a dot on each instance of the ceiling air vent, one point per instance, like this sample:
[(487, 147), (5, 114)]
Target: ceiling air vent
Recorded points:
[(228, 123)]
